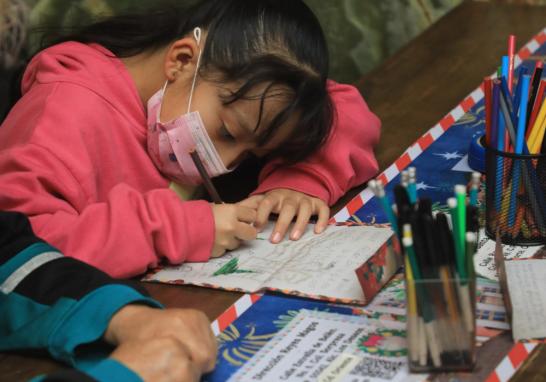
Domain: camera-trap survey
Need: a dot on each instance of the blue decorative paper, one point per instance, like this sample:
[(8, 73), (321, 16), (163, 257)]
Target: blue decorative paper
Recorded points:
[(257, 325)]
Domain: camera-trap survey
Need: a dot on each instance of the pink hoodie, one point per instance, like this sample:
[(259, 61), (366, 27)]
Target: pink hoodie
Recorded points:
[(73, 158)]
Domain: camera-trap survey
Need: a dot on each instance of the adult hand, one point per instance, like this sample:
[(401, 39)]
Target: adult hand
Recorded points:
[(190, 327), (164, 359), (233, 223), (288, 204)]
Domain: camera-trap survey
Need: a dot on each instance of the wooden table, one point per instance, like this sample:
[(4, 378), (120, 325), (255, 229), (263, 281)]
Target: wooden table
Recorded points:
[(410, 92)]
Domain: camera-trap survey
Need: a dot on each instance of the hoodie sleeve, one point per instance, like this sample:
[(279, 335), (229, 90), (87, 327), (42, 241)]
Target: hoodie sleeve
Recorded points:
[(56, 178), (123, 235), (346, 160), (53, 303)]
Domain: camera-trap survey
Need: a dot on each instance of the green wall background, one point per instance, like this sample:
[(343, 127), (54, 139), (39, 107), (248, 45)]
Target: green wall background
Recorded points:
[(360, 33)]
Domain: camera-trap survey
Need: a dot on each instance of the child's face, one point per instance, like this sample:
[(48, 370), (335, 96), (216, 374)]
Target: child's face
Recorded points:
[(232, 127)]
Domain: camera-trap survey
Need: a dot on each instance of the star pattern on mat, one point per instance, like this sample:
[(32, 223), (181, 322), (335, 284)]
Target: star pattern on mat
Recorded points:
[(448, 156), (423, 186)]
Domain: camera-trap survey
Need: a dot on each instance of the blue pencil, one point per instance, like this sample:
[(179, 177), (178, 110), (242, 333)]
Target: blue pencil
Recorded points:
[(517, 94), (501, 134), (518, 149)]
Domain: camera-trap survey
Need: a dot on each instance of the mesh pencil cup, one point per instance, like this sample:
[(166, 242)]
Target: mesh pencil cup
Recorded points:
[(515, 202), (441, 324)]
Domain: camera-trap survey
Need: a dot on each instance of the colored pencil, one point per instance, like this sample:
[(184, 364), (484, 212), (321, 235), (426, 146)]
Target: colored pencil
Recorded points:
[(522, 71), (535, 82), (511, 57), (536, 107), (501, 144), (207, 182), (460, 195), (537, 133), (518, 148), (459, 252), (377, 188), (412, 186)]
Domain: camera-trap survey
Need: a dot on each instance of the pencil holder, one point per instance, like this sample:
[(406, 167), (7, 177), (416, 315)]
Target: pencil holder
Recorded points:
[(441, 324), (515, 197)]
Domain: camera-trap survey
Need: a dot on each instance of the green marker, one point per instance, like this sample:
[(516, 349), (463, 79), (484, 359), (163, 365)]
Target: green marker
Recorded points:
[(460, 194), (459, 251)]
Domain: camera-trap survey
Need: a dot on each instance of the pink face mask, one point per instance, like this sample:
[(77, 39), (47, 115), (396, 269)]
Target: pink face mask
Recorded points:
[(169, 143)]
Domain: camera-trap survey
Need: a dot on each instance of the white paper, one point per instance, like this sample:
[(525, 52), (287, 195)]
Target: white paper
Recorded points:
[(321, 346), (321, 264), (527, 288), (484, 260)]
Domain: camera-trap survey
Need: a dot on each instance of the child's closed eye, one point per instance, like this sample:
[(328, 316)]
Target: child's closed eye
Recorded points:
[(225, 134)]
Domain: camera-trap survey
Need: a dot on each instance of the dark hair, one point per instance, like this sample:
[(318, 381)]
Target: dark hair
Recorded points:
[(252, 42)]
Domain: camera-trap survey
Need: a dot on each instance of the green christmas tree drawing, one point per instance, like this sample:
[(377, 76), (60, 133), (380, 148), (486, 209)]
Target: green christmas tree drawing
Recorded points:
[(230, 267)]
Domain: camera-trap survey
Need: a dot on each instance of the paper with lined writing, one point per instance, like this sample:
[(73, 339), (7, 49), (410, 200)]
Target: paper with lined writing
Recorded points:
[(322, 264)]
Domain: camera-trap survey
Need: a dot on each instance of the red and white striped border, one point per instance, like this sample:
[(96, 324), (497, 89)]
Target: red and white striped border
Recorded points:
[(433, 134), (233, 312), (510, 364)]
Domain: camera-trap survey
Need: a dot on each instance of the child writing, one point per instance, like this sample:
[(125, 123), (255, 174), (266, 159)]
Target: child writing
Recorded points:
[(108, 117)]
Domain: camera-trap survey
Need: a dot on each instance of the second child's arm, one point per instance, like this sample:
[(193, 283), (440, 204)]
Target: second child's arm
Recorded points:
[(346, 160)]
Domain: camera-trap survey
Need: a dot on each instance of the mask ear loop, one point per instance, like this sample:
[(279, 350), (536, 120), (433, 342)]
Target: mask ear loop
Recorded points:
[(197, 36), (161, 103)]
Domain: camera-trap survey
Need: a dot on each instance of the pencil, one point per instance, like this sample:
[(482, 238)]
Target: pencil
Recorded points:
[(412, 187), (207, 182), (536, 107), (424, 302), (511, 54), (522, 71), (413, 320), (518, 148), (377, 188), (537, 133), (460, 195), (535, 83), (504, 145)]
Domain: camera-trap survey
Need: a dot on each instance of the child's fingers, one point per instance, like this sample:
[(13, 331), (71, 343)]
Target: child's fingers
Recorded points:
[(287, 213), (245, 231), (246, 214), (323, 217), (252, 202), (304, 214), (265, 208)]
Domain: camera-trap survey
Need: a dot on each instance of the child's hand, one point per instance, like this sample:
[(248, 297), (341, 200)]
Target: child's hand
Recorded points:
[(287, 204), (190, 328), (233, 223)]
